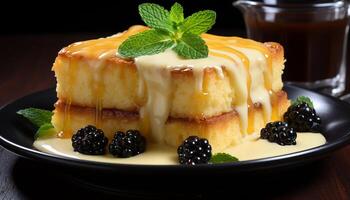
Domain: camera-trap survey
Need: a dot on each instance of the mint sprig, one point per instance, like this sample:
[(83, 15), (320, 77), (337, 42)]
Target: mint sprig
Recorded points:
[(222, 158), (303, 99), (169, 29), (41, 119)]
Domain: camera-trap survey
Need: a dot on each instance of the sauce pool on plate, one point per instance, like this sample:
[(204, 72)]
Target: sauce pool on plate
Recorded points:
[(156, 154)]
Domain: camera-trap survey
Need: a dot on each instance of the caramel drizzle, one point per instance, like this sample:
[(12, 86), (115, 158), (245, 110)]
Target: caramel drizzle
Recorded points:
[(240, 42), (249, 44), (67, 127), (98, 86), (95, 48), (67, 130), (220, 46)]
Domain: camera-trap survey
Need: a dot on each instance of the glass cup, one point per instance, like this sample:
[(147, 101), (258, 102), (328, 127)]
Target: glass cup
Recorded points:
[(313, 34)]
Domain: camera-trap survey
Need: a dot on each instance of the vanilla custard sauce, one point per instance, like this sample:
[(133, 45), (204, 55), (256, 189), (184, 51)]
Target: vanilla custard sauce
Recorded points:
[(156, 154)]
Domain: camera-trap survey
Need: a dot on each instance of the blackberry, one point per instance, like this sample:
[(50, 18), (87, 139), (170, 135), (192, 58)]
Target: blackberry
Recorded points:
[(127, 144), (302, 118), (279, 132), (89, 140), (194, 150)]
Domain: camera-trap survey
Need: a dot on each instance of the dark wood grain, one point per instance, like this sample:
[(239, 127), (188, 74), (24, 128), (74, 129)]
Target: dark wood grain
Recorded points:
[(26, 67)]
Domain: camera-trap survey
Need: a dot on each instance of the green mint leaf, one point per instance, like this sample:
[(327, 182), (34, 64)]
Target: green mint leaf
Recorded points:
[(223, 158), (177, 13), (191, 46), (155, 16), (145, 43), (40, 118), (303, 99), (169, 30), (37, 116), (45, 130), (199, 22)]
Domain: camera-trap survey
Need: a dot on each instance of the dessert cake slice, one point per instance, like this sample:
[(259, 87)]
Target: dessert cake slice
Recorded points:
[(226, 97)]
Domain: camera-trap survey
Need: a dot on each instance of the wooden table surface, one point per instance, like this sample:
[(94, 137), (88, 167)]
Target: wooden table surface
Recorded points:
[(26, 67)]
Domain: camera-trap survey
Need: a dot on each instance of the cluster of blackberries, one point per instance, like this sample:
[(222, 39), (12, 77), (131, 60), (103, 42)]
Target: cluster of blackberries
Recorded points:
[(298, 118), (92, 141)]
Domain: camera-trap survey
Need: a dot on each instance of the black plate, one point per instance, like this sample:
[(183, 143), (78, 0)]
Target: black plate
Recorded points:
[(16, 135)]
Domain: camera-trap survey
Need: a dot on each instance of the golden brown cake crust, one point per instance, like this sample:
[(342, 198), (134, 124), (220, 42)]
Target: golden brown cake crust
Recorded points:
[(275, 49)]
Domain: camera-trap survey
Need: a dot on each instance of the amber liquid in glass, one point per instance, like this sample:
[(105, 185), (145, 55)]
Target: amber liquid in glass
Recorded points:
[(313, 50)]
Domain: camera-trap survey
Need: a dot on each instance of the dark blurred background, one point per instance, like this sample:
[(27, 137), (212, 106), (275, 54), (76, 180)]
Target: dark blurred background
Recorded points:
[(99, 16), (31, 34)]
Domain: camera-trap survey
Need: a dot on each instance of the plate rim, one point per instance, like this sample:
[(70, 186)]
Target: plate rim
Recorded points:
[(262, 163)]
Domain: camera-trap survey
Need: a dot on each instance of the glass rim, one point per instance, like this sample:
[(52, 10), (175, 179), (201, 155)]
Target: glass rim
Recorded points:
[(303, 6)]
